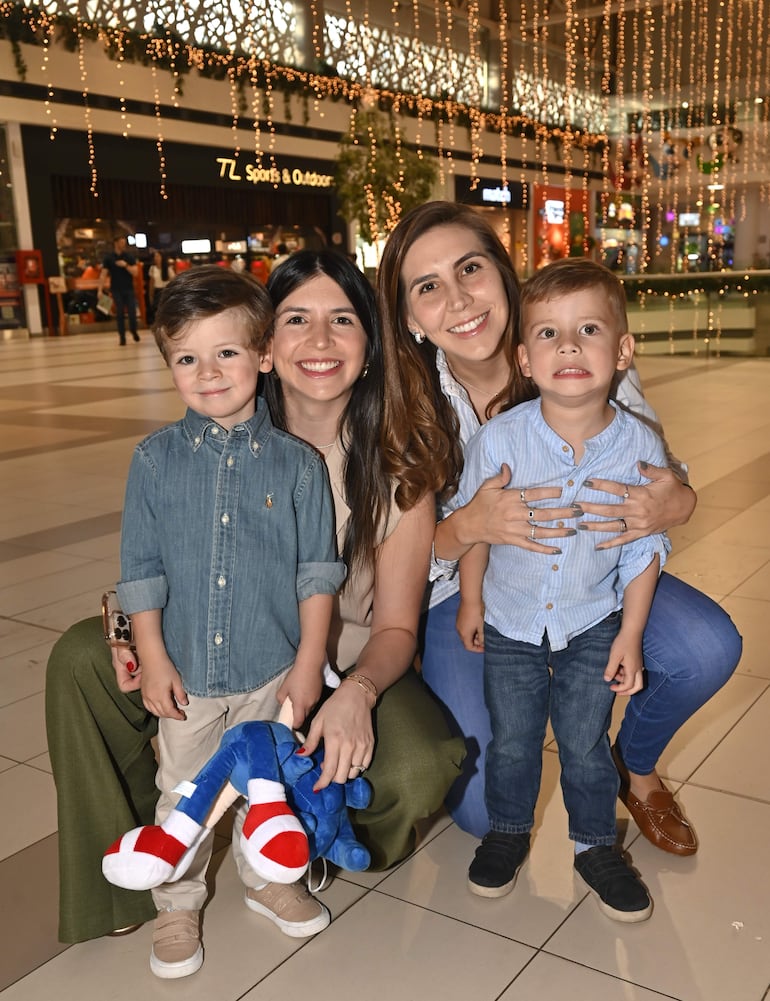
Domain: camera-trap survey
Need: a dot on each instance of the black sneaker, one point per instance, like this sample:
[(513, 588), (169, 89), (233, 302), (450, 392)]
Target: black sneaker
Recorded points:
[(620, 893), (498, 858)]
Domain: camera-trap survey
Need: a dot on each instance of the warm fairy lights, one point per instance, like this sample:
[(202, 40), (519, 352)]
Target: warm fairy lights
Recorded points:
[(650, 115)]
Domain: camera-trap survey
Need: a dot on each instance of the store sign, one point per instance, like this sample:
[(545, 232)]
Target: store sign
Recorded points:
[(252, 173), (499, 196)]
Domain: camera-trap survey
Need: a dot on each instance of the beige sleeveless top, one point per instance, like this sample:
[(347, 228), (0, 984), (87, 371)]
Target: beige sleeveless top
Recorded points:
[(352, 616)]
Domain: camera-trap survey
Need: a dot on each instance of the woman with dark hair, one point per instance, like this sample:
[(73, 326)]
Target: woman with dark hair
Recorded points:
[(327, 388), (448, 359)]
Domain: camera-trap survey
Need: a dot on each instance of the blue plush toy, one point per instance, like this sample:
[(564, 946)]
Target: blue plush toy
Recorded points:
[(286, 827)]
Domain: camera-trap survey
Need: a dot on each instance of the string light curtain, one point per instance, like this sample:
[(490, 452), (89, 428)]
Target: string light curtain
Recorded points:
[(667, 97)]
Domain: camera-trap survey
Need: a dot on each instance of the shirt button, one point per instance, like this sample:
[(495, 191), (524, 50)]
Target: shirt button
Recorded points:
[(215, 430), (225, 519), (549, 606), (560, 524), (565, 448), (255, 446), (197, 440), (221, 581), (570, 483), (230, 462), (218, 639), (555, 566)]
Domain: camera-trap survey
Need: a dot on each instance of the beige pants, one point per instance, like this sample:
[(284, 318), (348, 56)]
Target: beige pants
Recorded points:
[(184, 746)]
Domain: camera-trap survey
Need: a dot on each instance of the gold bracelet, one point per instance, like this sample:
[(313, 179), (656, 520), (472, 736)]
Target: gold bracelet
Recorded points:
[(363, 682)]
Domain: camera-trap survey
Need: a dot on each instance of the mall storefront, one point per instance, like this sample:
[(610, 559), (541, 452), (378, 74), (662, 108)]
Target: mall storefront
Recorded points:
[(211, 206)]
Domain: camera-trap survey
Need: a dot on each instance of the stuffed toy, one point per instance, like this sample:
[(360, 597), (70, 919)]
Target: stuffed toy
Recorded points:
[(287, 824)]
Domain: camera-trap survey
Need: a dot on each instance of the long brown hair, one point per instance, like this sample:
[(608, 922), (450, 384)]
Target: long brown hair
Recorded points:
[(421, 430), (368, 484)]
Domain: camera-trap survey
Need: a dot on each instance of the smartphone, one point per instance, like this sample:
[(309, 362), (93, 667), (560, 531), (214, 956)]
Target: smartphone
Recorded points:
[(117, 625)]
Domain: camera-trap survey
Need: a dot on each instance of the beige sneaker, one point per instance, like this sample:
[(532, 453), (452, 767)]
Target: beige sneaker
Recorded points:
[(176, 945), (290, 907)]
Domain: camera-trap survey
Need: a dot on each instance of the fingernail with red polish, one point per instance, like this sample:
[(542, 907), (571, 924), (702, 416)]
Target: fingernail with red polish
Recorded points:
[(300, 750), (130, 666)]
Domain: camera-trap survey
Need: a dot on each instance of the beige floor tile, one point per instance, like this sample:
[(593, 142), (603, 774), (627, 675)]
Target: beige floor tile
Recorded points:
[(733, 764), (756, 586), (704, 731), (22, 728), (709, 936), (18, 636), (720, 568), (408, 952), (23, 673), (29, 599), (29, 808), (550, 977), (436, 877)]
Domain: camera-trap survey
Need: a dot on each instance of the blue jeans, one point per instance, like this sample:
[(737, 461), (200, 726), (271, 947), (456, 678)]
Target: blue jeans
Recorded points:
[(521, 693), (125, 302), (691, 648)]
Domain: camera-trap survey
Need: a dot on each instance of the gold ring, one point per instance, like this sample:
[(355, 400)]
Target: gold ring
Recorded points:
[(625, 494), (623, 525), (532, 533), (522, 492)]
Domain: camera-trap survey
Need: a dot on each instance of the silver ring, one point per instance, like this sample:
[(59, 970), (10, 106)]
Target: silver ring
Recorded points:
[(359, 768), (532, 533), (530, 514), (623, 525), (626, 494), (522, 492)]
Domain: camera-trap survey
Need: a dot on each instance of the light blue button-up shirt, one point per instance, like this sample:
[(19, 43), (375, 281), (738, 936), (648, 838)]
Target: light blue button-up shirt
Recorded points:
[(227, 532), (628, 393), (526, 593)]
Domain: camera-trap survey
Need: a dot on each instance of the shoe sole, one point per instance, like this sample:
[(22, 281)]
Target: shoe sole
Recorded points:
[(626, 917), (491, 892), (294, 929), (175, 971)]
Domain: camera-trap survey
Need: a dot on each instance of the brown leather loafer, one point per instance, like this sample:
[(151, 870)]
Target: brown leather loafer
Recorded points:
[(659, 817)]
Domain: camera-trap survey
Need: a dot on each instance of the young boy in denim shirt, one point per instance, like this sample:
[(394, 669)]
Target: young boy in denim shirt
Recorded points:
[(578, 610), (228, 570)]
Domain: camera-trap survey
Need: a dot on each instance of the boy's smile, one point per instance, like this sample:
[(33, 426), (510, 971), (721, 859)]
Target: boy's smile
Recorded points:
[(215, 370)]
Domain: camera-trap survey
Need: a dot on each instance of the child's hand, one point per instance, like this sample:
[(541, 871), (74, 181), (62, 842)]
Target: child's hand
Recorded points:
[(470, 626), (162, 689), (625, 667), (303, 686)]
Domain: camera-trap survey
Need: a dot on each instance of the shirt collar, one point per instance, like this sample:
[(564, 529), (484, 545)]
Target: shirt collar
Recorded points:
[(258, 428)]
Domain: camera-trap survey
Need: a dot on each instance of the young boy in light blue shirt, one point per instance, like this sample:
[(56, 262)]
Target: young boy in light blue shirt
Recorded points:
[(580, 612)]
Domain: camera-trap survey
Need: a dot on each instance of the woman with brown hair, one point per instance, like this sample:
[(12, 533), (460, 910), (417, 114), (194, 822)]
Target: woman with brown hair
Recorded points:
[(448, 360)]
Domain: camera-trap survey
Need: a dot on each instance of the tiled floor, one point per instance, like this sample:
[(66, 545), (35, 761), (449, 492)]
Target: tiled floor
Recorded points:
[(70, 410)]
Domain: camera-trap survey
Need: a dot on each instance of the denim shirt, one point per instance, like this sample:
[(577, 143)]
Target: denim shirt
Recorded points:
[(226, 532)]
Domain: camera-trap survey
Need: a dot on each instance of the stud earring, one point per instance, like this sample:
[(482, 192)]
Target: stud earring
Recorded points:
[(364, 371), (418, 337)]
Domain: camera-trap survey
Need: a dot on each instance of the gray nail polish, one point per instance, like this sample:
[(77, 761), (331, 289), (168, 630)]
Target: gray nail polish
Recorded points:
[(582, 528), (577, 510), (571, 531)]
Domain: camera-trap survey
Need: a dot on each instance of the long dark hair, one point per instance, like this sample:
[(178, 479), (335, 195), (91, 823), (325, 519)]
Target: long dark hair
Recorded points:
[(420, 420), (367, 483)]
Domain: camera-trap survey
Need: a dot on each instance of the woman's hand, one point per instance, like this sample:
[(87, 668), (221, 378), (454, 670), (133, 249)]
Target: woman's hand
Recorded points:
[(344, 723), (648, 510), (500, 515), (128, 670)]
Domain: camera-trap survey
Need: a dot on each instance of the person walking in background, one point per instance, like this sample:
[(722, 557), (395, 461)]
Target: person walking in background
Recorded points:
[(119, 269), (160, 274)]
